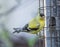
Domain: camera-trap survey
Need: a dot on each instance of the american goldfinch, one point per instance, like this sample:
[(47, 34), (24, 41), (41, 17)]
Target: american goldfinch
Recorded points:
[(34, 26)]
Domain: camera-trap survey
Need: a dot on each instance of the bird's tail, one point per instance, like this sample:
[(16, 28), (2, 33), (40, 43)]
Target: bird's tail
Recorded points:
[(17, 30)]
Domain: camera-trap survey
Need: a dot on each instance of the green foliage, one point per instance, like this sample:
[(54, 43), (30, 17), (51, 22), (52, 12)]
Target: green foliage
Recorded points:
[(4, 37)]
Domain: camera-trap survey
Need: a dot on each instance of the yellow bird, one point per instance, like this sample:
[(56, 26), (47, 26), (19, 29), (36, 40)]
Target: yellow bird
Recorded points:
[(34, 26)]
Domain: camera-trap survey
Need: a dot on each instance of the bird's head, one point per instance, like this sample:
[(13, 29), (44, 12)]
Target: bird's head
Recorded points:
[(42, 16)]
